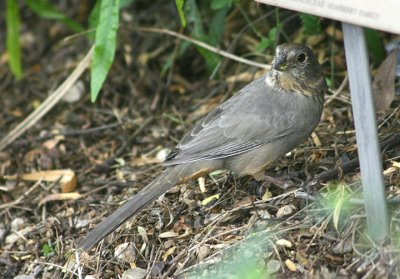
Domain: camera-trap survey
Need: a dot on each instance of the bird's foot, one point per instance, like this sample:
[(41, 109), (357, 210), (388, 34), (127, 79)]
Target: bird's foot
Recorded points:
[(280, 182)]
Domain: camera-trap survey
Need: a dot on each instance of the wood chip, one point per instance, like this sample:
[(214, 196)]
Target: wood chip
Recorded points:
[(291, 265)]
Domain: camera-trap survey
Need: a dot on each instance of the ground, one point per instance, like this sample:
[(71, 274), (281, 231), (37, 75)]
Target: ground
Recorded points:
[(231, 228)]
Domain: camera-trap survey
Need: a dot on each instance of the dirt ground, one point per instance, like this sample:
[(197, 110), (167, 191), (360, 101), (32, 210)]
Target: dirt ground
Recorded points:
[(230, 228)]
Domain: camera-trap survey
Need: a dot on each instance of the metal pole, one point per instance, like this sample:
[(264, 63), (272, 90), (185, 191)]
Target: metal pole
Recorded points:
[(366, 132)]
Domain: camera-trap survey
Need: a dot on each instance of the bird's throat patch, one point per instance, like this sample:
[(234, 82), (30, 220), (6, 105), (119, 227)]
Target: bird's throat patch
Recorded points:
[(285, 82)]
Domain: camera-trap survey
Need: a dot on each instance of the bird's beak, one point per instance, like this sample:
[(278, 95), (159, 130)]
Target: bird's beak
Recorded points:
[(279, 63)]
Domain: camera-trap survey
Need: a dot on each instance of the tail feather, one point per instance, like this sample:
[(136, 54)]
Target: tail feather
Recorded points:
[(156, 188)]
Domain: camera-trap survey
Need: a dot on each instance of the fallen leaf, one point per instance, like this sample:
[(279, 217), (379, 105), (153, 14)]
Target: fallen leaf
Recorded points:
[(169, 252), (168, 234), (290, 265), (284, 243), (285, 211), (67, 176), (267, 195), (202, 184), (383, 85), (125, 252), (210, 199)]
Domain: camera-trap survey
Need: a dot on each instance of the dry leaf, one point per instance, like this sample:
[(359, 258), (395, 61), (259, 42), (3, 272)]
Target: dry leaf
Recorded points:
[(284, 242), (383, 86), (285, 211), (290, 265), (168, 234), (202, 184), (67, 176), (169, 252), (210, 199), (125, 252), (267, 195)]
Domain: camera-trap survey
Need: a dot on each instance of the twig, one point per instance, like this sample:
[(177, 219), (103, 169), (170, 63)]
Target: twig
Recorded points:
[(354, 164), (206, 46), (21, 198), (85, 132), (338, 91), (48, 104)]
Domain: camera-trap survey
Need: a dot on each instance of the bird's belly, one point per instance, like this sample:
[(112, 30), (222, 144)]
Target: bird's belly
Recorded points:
[(258, 159)]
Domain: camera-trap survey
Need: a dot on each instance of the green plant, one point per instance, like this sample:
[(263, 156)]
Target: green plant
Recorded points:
[(12, 39), (311, 24), (47, 249), (193, 16)]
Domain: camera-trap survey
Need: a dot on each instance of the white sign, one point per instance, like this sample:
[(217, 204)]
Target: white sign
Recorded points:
[(376, 14)]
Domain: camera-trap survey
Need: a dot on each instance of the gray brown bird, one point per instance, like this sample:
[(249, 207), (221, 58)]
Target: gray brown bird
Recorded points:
[(262, 122)]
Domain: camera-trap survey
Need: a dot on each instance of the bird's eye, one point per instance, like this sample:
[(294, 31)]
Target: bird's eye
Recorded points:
[(301, 57)]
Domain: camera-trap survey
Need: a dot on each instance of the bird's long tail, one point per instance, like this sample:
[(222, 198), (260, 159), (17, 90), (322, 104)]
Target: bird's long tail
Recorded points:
[(168, 179)]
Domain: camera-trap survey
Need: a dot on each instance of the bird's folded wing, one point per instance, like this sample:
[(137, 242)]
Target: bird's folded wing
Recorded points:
[(237, 126)]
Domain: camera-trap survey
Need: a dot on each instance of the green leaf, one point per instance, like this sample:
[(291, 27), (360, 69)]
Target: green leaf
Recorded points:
[(179, 6), (375, 45), (193, 17), (221, 4), (105, 45), (217, 26), (124, 3), (311, 24), (12, 38), (264, 44), (47, 249), (48, 11), (94, 15)]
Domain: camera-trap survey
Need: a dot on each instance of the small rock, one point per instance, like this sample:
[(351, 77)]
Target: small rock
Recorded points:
[(203, 252), (75, 93), (81, 223), (342, 247), (134, 273), (17, 224), (12, 238), (264, 214), (125, 252), (157, 269)]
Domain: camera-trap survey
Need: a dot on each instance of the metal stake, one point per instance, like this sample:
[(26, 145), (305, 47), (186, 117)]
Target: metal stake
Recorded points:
[(366, 132)]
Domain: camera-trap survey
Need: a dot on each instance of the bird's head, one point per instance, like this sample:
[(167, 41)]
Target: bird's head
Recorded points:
[(295, 68)]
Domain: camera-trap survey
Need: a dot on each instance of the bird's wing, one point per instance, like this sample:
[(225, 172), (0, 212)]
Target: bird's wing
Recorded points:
[(254, 116)]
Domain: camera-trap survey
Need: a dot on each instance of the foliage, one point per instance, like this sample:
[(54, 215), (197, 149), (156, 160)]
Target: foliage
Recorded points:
[(197, 25), (179, 7), (13, 46), (47, 249), (375, 45), (203, 20), (311, 24), (105, 45), (269, 41), (45, 10)]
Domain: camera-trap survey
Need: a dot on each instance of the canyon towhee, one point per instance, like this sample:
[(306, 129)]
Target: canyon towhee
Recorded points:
[(262, 122)]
